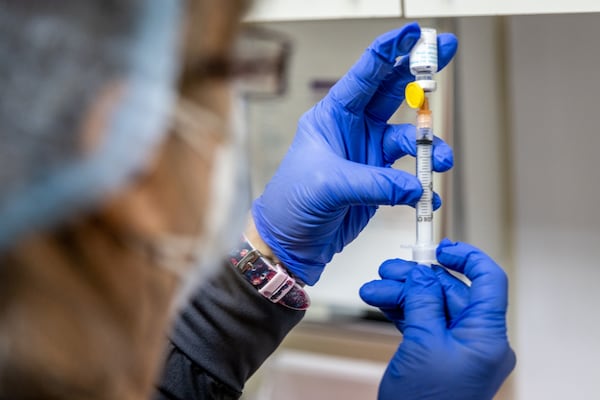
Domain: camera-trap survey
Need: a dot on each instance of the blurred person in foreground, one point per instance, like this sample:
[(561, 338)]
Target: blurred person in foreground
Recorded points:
[(123, 271)]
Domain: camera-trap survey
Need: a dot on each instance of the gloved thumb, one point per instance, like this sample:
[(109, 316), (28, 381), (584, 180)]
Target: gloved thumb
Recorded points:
[(424, 304)]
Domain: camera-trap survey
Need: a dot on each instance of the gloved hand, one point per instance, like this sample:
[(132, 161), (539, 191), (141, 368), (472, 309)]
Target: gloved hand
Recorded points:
[(337, 170), (455, 344)]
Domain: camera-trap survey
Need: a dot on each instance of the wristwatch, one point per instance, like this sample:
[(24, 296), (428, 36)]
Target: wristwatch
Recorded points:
[(271, 280)]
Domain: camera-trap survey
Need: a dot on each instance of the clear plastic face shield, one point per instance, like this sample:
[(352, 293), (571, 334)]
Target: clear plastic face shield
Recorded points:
[(257, 71), (143, 45)]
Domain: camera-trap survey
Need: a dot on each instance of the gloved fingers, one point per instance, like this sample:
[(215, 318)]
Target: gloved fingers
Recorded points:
[(456, 292), (390, 94), (356, 88), (388, 296), (489, 284), (400, 140), (424, 308), (396, 269), (436, 202), (385, 293), (359, 184), (443, 155), (447, 47)]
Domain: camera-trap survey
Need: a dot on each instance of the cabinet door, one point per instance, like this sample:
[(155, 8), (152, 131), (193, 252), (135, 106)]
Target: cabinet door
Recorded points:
[(289, 10), (446, 8)]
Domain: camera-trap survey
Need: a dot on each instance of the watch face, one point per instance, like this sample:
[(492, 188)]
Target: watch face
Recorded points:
[(271, 281)]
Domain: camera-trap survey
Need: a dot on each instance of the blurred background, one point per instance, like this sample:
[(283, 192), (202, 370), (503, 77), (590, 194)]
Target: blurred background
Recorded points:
[(519, 105)]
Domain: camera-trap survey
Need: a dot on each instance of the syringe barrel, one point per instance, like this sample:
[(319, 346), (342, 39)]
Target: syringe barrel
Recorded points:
[(425, 204), (424, 169)]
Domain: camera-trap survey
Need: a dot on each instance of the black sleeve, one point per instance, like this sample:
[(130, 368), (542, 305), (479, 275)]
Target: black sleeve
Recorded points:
[(221, 338)]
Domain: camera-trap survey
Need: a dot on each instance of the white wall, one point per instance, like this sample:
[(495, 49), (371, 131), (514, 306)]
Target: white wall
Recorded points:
[(553, 91), (480, 142), (529, 85)]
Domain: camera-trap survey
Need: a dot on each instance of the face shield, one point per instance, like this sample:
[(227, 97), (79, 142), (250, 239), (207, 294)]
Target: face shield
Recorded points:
[(80, 47), (256, 72)]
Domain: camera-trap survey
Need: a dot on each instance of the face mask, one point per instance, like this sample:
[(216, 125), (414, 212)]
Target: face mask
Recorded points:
[(195, 258), (230, 194)]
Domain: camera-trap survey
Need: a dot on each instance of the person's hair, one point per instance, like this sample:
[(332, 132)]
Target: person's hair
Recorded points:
[(81, 317)]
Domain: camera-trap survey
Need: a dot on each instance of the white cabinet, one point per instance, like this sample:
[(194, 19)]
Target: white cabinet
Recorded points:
[(454, 8), (289, 10)]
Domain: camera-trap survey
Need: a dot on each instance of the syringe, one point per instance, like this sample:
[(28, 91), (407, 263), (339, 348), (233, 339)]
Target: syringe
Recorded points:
[(424, 248), (423, 64)]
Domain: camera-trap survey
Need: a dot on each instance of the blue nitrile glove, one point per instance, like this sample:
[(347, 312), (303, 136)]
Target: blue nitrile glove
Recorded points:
[(337, 170), (455, 344)]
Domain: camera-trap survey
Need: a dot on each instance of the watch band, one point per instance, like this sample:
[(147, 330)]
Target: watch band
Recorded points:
[(271, 280)]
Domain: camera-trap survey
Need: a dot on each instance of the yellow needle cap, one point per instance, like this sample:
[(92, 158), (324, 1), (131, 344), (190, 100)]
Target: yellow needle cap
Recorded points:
[(415, 95)]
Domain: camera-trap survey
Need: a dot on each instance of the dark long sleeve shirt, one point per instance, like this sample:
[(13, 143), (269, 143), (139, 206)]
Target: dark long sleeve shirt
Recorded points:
[(221, 338)]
